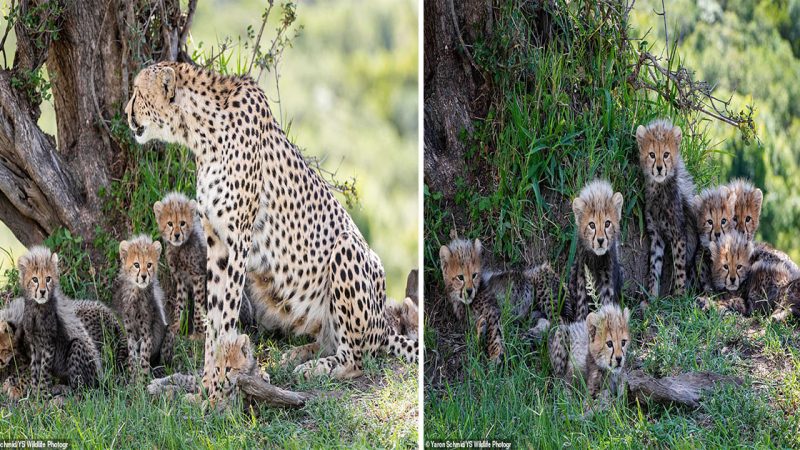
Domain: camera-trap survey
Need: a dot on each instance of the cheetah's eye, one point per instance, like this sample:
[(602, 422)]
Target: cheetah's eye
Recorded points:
[(610, 344), (666, 155), (608, 223), (35, 280), (475, 276), (624, 342), (136, 264), (183, 223), (169, 223), (724, 221), (48, 279), (738, 267), (460, 277), (748, 219), (591, 225), (149, 265), (725, 266), (710, 222), (652, 155)]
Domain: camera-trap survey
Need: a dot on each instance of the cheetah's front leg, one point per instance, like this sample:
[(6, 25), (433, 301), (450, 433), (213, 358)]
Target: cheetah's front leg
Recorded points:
[(181, 299), (679, 263), (656, 262)]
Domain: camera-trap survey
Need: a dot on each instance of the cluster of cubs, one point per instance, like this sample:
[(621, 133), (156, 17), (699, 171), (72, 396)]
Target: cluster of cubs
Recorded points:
[(45, 335), (727, 265)]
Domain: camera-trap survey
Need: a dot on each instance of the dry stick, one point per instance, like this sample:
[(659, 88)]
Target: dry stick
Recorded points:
[(259, 390), (684, 389), (258, 39)]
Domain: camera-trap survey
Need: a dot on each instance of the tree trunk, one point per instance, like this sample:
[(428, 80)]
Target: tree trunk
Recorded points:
[(91, 49)]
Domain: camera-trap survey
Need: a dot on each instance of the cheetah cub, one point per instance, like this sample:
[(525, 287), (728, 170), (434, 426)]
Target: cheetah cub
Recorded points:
[(180, 228), (139, 301), (57, 340), (592, 350), (105, 329), (747, 211), (748, 286), (14, 357), (598, 211), (403, 317), (714, 210), (669, 191)]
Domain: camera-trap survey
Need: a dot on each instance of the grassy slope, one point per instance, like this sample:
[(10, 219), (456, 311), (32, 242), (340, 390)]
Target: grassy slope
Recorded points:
[(566, 115), (379, 409)]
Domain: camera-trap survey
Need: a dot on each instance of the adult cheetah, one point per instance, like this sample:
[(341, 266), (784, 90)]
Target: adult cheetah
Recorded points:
[(269, 215)]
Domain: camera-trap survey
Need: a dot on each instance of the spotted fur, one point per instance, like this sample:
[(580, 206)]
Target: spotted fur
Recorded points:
[(669, 191), (598, 211), (185, 243), (592, 350), (105, 329), (58, 343), (139, 301), (714, 211), (14, 355), (266, 213)]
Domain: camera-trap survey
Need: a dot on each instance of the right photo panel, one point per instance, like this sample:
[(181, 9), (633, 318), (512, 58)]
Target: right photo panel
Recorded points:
[(611, 208)]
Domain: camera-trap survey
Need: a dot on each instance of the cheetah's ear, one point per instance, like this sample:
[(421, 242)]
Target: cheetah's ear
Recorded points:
[(166, 78), (714, 249), (697, 203), (193, 205), (618, 201), (410, 311), (627, 314), (158, 207), (577, 207), (758, 197), (22, 263), (243, 342), (444, 254), (750, 249), (591, 325), (157, 247), (123, 249), (478, 247), (677, 134), (54, 260), (641, 131)]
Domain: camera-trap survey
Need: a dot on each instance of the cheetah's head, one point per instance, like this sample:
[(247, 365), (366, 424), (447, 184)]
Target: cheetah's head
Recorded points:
[(730, 261), (234, 357), (405, 317), (659, 147), (175, 215), (714, 209), (7, 337), (748, 208), (609, 336), (139, 260), (152, 111), (598, 210), (38, 274), (461, 268)]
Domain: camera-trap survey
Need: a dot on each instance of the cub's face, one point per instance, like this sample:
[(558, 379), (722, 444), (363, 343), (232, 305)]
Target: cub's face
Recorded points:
[(461, 268), (748, 212), (175, 220), (151, 111), (139, 261), (406, 316), (658, 151), (598, 221), (38, 271), (609, 337), (7, 331), (715, 211), (235, 357), (730, 261)]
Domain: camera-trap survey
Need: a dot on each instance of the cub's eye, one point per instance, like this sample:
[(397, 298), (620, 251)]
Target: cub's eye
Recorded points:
[(475, 276), (725, 266), (608, 223), (735, 218), (591, 225), (624, 342), (48, 279), (460, 277), (666, 155), (35, 279), (183, 223), (136, 264), (738, 267), (149, 265), (748, 219), (169, 223), (724, 221), (610, 344), (710, 222), (652, 155)]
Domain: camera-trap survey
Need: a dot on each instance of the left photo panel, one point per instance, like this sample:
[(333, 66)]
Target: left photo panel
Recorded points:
[(209, 224)]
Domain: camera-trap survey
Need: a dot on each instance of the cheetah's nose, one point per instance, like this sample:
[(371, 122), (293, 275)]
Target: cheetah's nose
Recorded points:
[(716, 234), (659, 169), (619, 361), (469, 292), (733, 280), (177, 236), (600, 241), (42, 292)]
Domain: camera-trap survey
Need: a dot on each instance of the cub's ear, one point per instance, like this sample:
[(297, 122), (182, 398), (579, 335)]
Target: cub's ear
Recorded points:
[(750, 249), (697, 203), (627, 314), (758, 196), (714, 249), (158, 207), (54, 260), (243, 342), (157, 247), (618, 201), (677, 134), (591, 325), (166, 78), (410, 311), (193, 205), (578, 206), (23, 262), (124, 246), (444, 254), (478, 247), (641, 131)]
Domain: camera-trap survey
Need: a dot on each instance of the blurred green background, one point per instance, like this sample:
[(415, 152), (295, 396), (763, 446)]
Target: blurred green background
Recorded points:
[(349, 96), (750, 50)]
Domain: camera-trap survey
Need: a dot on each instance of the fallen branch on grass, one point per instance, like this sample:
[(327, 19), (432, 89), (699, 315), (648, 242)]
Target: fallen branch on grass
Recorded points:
[(256, 389), (684, 389)]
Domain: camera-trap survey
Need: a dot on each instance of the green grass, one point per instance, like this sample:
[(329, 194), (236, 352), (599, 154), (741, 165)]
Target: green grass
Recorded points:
[(523, 403), (379, 409)]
